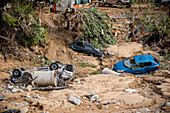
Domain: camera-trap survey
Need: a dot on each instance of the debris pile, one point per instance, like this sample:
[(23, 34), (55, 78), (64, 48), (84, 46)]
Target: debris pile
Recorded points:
[(26, 80)]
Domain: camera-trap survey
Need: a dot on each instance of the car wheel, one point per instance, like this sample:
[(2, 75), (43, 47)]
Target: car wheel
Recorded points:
[(54, 66), (16, 73)]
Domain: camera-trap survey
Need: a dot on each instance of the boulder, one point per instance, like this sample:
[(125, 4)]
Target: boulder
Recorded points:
[(74, 100)]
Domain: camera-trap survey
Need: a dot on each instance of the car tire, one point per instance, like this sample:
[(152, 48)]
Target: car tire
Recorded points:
[(16, 73), (53, 66)]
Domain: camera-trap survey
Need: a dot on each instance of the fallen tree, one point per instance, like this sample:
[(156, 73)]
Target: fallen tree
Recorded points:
[(90, 23)]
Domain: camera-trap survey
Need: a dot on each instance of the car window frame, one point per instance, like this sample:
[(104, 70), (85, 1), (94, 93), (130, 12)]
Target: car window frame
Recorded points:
[(79, 45), (143, 66), (89, 46)]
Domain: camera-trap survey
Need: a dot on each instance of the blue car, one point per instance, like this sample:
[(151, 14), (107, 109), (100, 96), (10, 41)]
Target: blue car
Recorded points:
[(139, 64)]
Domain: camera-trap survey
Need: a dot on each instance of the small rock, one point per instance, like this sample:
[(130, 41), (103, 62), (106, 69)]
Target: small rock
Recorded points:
[(106, 102), (74, 100), (118, 103), (96, 103), (130, 90), (116, 107), (89, 94), (83, 79), (145, 110), (41, 98), (36, 96), (78, 97), (87, 107), (99, 99), (167, 104), (107, 106), (100, 106), (28, 95), (92, 108), (113, 102), (71, 108), (79, 82), (9, 87), (84, 97), (24, 110), (29, 88), (90, 104), (94, 98)]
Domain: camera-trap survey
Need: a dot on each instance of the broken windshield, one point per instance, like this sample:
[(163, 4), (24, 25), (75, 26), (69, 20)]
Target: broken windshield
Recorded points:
[(129, 62)]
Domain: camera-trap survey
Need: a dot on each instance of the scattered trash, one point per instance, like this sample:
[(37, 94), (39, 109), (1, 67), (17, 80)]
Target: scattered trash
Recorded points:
[(130, 90), (139, 64), (166, 106), (74, 100), (1, 98), (145, 110), (50, 88), (12, 111), (109, 71), (84, 47)]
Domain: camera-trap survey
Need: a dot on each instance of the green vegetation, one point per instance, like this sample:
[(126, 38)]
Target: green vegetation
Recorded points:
[(31, 31), (83, 64), (95, 28), (97, 72), (167, 57), (41, 60), (158, 22), (165, 65)]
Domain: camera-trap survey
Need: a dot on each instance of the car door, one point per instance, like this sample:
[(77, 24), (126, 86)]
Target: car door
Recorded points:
[(137, 69), (89, 49)]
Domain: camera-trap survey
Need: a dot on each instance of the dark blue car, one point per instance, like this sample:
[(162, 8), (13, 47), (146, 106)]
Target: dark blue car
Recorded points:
[(139, 64), (85, 47)]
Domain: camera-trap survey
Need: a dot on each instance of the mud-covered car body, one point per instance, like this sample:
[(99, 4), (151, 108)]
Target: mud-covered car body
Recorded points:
[(85, 47), (63, 72), (139, 64)]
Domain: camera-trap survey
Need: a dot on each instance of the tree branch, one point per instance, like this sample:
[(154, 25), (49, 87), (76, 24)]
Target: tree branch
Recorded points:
[(4, 38)]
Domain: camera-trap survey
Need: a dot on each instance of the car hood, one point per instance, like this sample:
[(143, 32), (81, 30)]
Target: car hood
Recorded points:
[(119, 67)]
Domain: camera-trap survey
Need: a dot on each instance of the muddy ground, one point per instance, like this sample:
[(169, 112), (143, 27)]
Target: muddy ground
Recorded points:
[(151, 91)]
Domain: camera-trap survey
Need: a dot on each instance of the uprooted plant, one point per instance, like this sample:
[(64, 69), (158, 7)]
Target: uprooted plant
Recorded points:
[(91, 23), (20, 28)]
